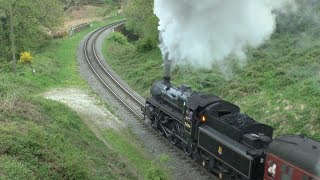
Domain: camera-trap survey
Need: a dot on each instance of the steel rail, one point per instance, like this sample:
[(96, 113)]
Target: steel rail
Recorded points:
[(97, 74), (114, 80)]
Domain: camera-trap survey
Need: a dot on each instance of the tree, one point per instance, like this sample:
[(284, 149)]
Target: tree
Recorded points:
[(10, 11), (141, 20), (28, 20)]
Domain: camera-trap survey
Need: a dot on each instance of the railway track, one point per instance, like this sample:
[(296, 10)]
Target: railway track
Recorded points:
[(128, 100)]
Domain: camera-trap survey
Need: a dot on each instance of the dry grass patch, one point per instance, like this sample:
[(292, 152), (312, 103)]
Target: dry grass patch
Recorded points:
[(22, 108)]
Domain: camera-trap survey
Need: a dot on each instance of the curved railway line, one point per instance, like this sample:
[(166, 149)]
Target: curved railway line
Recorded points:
[(130, 102)]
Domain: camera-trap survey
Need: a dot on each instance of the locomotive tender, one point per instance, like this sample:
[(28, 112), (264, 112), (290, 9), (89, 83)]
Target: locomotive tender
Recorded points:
[(213, 132)]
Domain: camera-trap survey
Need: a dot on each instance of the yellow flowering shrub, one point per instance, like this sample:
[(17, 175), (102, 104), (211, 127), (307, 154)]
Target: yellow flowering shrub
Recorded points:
[(25, 57)]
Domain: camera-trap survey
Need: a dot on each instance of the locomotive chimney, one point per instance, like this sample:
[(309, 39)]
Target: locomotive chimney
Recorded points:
[(167, 69)]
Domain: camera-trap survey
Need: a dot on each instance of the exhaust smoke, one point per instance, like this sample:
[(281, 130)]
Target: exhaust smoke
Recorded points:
[(204, 33)]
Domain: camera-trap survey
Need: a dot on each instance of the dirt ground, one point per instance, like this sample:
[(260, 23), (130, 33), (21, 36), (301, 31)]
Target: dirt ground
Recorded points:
[(83, 14)]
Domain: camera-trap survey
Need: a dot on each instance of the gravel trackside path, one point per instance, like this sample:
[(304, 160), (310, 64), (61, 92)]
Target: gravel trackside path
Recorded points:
[(85, 106), (94, 115)]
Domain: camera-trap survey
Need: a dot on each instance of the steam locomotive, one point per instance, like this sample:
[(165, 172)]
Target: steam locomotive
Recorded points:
[(228, 143)]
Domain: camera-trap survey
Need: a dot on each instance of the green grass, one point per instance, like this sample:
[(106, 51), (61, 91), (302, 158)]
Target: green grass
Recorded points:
[(44, 139), (132, 151), (279, 86)]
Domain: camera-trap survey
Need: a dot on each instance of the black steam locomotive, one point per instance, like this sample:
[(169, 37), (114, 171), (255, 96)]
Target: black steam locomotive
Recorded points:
[(212, 131)]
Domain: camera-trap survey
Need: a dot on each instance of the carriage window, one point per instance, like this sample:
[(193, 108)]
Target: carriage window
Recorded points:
[(305, 177), (285, 177), (272, 169), (287, 172)]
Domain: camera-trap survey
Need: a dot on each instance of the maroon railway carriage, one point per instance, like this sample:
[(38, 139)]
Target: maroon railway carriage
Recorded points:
[(293, 157)]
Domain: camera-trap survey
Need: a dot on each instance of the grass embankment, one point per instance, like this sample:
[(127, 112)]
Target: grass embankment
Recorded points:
[(44, 139), (279, 86), (132, 150)]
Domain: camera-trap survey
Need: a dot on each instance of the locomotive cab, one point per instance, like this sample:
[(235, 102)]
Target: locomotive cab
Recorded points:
[(224, 134)]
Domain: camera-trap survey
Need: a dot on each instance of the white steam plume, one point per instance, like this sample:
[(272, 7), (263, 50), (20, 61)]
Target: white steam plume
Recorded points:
[(203, 33)]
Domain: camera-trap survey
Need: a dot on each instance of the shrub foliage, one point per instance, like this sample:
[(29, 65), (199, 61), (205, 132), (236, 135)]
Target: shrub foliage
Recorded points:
[(25, 57)]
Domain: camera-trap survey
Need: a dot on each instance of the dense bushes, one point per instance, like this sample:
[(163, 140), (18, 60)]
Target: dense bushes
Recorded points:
[(118, 38), (145, 45), (142, 21), (304, 18)]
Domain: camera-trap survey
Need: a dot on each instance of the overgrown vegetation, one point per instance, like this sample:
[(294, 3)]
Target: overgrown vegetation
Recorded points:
[(142, 22), (73, 3), (279, 85)]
